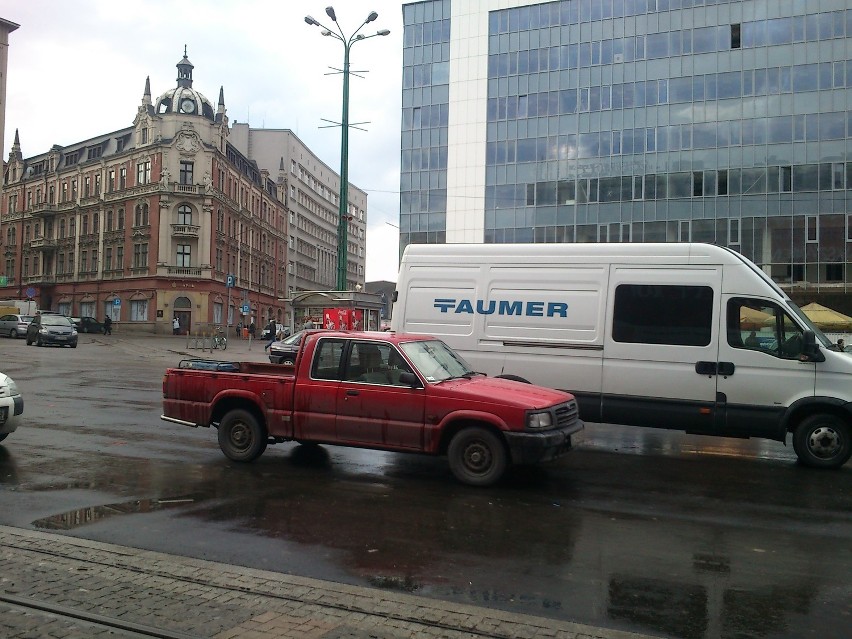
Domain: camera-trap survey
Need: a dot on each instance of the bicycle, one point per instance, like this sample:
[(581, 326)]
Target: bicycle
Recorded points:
[(220, 340)]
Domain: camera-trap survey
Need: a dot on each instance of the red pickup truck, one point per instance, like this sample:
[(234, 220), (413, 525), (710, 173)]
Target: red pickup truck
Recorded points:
[(406, 393)]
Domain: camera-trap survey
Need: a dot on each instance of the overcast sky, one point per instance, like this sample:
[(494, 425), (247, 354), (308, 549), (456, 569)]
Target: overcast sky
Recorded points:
[(77, 70)]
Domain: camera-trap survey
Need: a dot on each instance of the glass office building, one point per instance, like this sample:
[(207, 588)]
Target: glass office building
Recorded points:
[(721, 121)]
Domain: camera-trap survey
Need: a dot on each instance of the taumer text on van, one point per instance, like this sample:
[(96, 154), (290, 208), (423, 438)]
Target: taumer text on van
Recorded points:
[(503, 307)]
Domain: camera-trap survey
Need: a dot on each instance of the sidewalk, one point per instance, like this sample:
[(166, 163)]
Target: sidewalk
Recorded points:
[(176, 347), (69, 588)]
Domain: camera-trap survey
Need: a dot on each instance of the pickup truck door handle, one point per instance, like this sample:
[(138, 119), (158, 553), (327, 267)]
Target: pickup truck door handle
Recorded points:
[(712, 368), (352, 392)]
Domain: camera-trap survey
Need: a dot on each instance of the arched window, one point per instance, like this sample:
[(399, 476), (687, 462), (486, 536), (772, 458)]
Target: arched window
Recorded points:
[(185, 214)]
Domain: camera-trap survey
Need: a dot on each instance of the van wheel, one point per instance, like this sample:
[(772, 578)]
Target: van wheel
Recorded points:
[(241, 438), (477, 456), (514, 378), (823, 441)]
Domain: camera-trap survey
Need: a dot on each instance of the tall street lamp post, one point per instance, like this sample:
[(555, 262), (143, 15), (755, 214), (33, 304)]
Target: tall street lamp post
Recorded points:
[(343, 220)]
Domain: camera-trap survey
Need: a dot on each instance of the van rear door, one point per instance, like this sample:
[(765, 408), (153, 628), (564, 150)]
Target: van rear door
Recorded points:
[(660, 352)]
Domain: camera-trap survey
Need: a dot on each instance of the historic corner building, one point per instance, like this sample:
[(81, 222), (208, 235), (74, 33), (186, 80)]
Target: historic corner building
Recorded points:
[(146, 223), (721, 121)]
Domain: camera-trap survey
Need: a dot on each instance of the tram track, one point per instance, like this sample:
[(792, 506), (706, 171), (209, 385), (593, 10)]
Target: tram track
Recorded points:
[(258, 600)]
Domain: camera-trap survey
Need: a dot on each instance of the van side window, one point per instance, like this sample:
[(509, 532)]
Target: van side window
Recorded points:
[(663, 314), (327, 359), (762, 326)]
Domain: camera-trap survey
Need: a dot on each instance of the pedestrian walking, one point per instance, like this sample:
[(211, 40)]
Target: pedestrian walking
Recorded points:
[(107, 325), (271, 334), (175, 326), (252, 330)]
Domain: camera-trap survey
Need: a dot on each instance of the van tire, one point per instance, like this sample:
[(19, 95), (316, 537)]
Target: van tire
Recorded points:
[(514, 378), (823, 441), (241, 437), (477, 456)]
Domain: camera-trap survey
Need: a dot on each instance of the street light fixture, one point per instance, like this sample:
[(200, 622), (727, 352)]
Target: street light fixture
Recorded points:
[(343, 217)]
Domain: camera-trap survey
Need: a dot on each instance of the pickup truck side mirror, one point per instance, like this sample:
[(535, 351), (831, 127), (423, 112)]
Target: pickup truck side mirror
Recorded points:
[(810, 349), (409, 379)]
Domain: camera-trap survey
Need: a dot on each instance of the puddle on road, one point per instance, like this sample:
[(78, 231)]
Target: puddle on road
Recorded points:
[(90, 514)]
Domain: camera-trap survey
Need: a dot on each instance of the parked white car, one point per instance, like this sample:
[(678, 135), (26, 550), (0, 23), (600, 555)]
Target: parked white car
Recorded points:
[(11, 406)]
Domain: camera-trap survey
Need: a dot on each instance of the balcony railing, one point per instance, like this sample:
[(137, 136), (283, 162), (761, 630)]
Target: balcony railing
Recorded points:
[(39, 279), (43, 244), (184, 271), (185, 230), (42, 209), (189, 189)]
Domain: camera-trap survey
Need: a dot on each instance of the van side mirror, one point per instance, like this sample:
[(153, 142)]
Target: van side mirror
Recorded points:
[(409, 379), (810, 349)]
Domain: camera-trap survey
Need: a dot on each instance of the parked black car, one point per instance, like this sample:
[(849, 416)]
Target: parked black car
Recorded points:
[(51, 329), (284, 351), (87, 325)]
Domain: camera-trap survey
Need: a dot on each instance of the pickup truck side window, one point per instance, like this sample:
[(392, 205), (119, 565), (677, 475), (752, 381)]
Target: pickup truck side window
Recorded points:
[(663, 314), (328, 358), (375, 363), (762, 326)]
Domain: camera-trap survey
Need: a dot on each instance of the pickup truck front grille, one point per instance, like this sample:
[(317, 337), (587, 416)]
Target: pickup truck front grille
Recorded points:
[(566, 414)]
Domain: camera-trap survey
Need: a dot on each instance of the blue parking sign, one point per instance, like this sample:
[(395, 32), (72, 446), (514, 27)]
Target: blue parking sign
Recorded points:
[(230, 281)]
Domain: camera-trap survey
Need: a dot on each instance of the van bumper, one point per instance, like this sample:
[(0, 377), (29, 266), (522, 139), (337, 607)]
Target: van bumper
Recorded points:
[(533, 448)]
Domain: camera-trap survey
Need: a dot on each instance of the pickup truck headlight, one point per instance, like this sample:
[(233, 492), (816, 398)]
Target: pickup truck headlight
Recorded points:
[(13, 388), (539, 421)]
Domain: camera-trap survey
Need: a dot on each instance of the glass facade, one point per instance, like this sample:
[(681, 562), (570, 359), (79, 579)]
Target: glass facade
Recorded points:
[(425, 114), (716, 121)]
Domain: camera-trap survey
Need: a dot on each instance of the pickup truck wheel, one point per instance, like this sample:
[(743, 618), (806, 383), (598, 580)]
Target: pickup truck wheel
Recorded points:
[(241, 438), (823, 441), (477, 456)]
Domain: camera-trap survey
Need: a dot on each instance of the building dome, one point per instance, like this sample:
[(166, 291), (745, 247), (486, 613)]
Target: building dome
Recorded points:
[(184, 99)]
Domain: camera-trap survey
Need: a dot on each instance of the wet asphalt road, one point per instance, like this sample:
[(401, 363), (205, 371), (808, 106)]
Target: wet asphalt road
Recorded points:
[(644, 530)]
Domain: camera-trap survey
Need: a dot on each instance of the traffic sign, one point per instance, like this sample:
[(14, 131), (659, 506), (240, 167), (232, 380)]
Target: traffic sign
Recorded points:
[(31, 292), (116, 301), (230, 281), (245, 309)]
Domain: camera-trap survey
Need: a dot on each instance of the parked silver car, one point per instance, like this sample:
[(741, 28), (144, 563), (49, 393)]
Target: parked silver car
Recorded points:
[(14, 325)]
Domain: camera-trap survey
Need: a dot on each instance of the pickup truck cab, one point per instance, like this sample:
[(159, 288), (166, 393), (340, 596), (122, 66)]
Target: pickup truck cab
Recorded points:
[(387, 391)]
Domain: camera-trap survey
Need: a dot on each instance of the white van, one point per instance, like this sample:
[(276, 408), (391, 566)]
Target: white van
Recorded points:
[(690, 337)]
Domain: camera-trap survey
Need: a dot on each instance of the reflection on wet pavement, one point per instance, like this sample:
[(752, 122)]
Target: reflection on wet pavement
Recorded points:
[(91, 514), (668, 545)]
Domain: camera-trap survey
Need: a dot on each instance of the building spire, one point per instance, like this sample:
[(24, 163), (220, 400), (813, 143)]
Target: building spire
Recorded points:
[(15, 151), (184, 67), (221, 107), (146, 97)]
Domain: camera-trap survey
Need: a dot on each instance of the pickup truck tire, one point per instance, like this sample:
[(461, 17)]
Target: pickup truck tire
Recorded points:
[(477, 456), (241, 437), (823, 441)]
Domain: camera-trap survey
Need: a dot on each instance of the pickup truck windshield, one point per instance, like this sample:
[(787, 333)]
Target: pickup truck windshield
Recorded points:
[(435, 361)]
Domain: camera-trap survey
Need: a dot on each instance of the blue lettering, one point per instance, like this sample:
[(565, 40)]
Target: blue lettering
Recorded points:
[(464, 307), (502, 307), (535, 309), (445, 304), (557, 308), (510, 308), (480, 307)]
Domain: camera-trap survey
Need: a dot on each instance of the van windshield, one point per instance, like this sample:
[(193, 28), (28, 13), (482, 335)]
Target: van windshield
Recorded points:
[(804, 319), (435, 360)]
